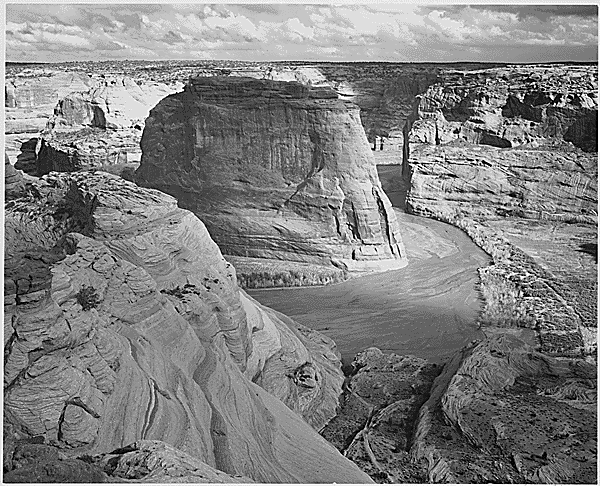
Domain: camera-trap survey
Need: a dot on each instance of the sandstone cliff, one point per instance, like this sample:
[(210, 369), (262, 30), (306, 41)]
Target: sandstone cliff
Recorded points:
[(29, 102), (510, 106), (100, 127), (123, 322), (275, 170), (458, 157)]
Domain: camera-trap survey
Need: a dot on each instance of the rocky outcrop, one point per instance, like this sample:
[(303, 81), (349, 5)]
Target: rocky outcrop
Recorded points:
[(501, 412), (375, 424), (458, 153), (100, 127), (123, 322), (275, 170), (510, 106), (115, 102), (148, 461), (494, 149), (29, 103)]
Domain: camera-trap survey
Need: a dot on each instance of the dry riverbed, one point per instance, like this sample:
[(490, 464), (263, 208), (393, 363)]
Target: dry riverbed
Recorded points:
[(428, 309)]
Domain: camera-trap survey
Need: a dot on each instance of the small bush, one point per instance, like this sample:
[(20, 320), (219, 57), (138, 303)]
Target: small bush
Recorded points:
[(87, 298)]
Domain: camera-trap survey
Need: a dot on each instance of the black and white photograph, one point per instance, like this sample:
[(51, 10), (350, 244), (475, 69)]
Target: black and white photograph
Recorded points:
[(300, 243)]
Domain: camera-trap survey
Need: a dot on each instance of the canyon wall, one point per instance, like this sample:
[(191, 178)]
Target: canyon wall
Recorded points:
[(458, 155), (100, 127), (123, 323), (509, 155), (275, 170)]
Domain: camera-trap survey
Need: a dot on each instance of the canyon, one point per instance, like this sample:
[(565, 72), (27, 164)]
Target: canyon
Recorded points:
[(471, 359)]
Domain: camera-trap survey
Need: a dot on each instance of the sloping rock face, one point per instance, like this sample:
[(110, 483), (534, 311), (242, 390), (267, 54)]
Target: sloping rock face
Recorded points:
[(498, 412), (275, 170), (501, 412), (123, 322), (100, 127), (376, 422), (148, 461)]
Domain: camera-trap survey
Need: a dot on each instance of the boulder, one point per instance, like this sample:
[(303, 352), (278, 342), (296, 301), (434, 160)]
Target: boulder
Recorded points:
[(276, 170)]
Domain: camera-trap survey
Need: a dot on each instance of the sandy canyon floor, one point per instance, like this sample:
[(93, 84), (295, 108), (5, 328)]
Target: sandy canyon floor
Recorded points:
[(427, 309)]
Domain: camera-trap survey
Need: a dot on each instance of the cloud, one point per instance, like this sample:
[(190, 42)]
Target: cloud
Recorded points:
[(396, 31)]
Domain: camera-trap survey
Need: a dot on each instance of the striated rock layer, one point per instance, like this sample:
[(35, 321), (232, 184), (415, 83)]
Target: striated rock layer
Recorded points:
[(275, 170), (511, 151), (123, 322)]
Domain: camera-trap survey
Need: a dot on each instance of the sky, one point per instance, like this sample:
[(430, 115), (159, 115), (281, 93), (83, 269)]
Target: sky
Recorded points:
[(397, 32)]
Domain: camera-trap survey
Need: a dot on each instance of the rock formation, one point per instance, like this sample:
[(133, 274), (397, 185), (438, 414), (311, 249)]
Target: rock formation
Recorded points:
[(29, 102), (379, 411), (510, 106), (501, 412), (459, 138), (148, 461), (123, 323), (100, 127), (490, 183), (275, 170)]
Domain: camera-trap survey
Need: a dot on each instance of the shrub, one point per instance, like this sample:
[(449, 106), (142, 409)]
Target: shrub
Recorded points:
[(87, 298)]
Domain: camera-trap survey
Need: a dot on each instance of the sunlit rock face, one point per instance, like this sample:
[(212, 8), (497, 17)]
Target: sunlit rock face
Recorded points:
[(29, 104), (275, 170), (513, 141), (510, 106), (100, 127), (123, 322)]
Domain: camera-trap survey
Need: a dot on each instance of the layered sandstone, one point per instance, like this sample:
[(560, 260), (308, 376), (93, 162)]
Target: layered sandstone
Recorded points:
[(458, 152), (510, 106), (486, 182), (275, 170), (123, 322)]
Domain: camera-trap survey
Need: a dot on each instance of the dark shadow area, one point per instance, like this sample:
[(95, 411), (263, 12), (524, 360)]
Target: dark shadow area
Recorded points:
[(26, 158), (590, 249)]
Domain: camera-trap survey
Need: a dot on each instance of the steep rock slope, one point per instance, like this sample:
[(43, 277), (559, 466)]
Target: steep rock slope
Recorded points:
[(510, 106), (459, 137), (123, 322), (458, 155), (275, 170)]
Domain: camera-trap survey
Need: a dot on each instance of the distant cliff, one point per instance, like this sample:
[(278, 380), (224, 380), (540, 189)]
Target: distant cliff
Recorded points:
[(516, 141)]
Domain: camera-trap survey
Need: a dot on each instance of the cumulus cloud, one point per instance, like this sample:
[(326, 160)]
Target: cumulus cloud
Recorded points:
[(390, 32)]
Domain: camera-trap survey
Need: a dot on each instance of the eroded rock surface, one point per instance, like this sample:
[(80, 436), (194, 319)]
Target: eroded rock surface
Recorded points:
[(376, 421), (123, 322), (100, 127), (501, 412), (508, 155), (275, 170)]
